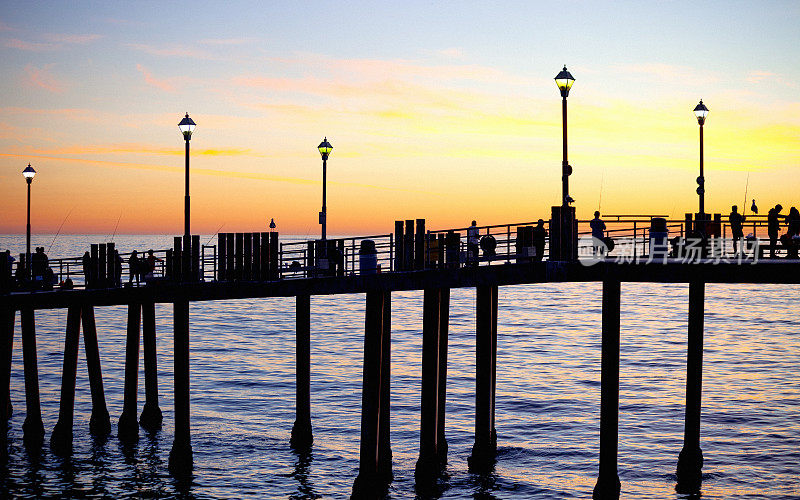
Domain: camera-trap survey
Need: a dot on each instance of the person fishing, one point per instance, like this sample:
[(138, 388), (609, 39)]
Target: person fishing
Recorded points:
[(134, 268), (736, 219), (598, 226)]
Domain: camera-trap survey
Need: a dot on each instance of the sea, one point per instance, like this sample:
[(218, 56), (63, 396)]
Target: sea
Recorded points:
[(547, 402)]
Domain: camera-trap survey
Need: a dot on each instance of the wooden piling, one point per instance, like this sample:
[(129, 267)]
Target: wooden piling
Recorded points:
[(608, 485), (399, 246), (255, 273), (302, 437), (179, 257), (61, 438), (196, 254), (6, 349), (419, 245), (180, 457), (222, 256), (690, 460), (485, 447), (408, 246), (100, 422), (94, 258), (102, 260), (432, 449), (239, 256), (247, 259), (274, 257), (265, 273), (374, 462), (151, 417), (230, 265), (128, 428), (33, 429)]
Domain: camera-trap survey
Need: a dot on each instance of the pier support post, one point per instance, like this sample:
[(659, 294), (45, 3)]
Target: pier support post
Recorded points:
[(302, 437), (151, 417), (485, 447), (690, 460), (180, 457), (33, 429), (100, 422), (6, 349), (432, 446), (608, 485), (375, 467), (61, 439), (128, 424)]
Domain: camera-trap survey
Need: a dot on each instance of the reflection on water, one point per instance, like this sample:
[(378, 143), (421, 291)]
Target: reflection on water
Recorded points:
[(548, 397)]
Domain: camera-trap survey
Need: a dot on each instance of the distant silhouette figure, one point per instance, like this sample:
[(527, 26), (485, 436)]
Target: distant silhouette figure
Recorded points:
[(150, 264), (473, 243), (736, 219), (791, 240), (773, 226), (598, 226), (753, 207), (539, 237), (117, 268), (134, 268)]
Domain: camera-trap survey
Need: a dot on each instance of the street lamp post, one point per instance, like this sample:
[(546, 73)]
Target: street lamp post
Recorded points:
[(325, 149), (29, 174), (186, 126), (564, 80), (701, 111)]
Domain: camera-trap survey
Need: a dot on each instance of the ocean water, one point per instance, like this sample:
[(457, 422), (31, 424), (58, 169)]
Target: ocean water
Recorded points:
[(547, 408)]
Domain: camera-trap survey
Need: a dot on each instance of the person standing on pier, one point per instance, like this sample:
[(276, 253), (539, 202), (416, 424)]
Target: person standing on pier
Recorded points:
[(736, 219), (473, 243), (134, 268), (598, 226), (773, 226), (539, 237)]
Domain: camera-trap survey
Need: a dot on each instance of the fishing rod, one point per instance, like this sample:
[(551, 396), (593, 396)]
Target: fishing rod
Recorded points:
[(212, 236), (747, 185), (59, 229), (115, 227)]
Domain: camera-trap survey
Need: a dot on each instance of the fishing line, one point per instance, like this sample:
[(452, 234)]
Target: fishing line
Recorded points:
[(59, 229)]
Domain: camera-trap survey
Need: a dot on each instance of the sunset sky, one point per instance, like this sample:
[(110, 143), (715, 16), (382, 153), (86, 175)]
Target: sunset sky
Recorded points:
[(440, 110)]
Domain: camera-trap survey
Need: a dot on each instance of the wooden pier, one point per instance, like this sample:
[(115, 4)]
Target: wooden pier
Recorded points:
[(253, 265)]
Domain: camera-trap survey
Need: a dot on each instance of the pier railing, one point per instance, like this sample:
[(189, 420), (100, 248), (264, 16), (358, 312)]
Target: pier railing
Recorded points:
[(259, 256)]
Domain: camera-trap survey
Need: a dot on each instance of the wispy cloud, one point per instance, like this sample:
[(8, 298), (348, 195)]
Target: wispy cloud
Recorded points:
[(43, 79), (16, 43), (670, 73), (63, 38), (138, 148), (226, 41), (171, 51), (152, 81), (768, 76), (452, 53), (5, 27)]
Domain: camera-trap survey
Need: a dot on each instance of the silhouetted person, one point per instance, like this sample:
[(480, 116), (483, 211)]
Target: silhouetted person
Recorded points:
[(7, 263), (473, 243), (598, 226), (773, 226), (150, 264), (88, 275), (38, 264), (134, 268), (794, 222), (736, 219), (539, 237), (117, 268)]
